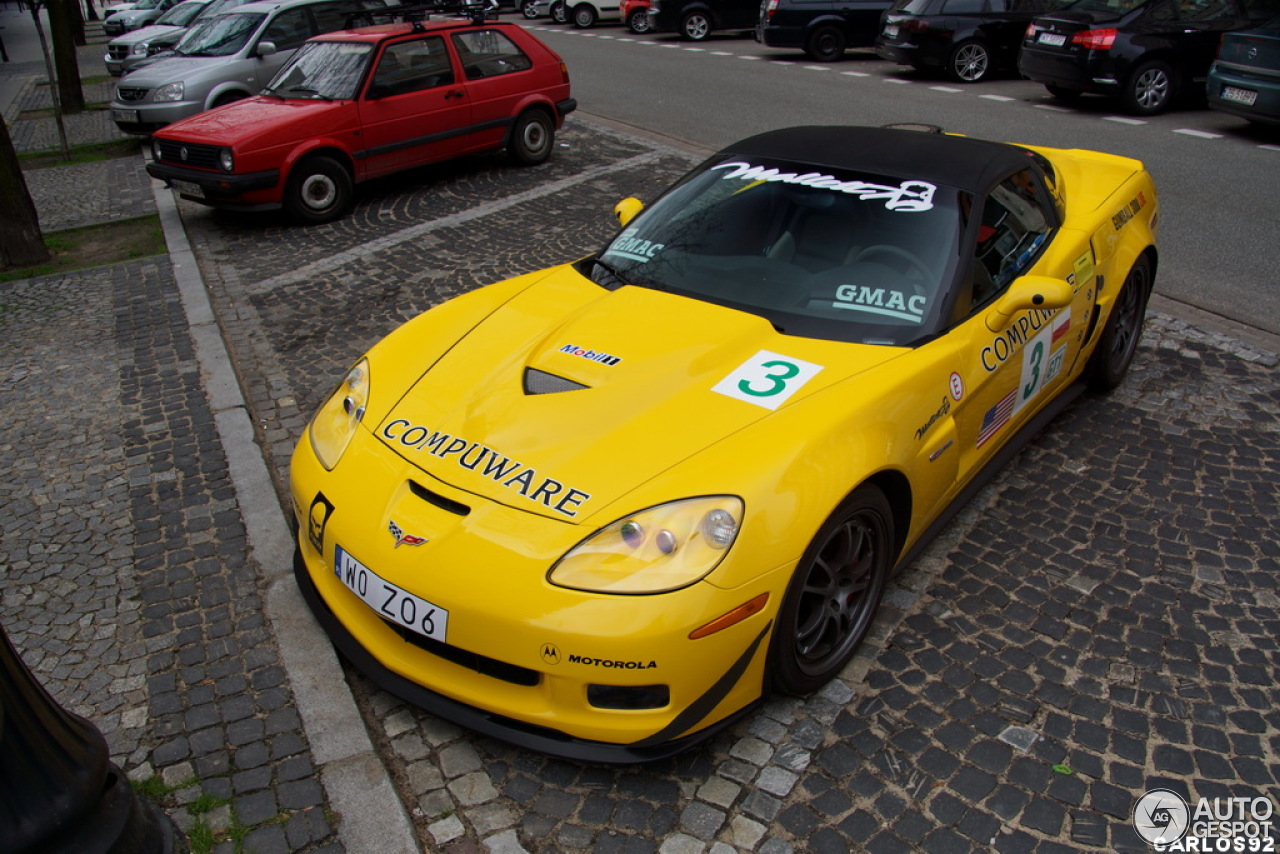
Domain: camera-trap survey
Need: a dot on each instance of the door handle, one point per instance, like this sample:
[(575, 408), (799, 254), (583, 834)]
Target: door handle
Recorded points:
[(454, 93)]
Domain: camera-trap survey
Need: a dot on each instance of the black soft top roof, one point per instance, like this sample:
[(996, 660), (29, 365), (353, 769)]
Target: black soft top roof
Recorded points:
[(956, 161)]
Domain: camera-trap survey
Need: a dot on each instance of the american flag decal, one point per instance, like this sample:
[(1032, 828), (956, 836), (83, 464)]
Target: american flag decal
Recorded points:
[(996, 417)]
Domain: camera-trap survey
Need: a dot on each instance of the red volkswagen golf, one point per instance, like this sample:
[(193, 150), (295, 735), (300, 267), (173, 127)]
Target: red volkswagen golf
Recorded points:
[(358, 104)]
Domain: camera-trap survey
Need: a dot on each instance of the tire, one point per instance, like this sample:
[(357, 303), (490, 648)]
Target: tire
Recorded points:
[(532, 137), (825, 44), (834, 594), (584, 16), (529, 9), (969, 62), (1119, 341), (1062, 93), (695, 26), (319, 190), (560, 12), (1149, 89), (638, 22)]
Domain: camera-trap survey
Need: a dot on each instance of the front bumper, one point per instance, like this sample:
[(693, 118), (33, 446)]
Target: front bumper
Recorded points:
[(493, 670), (141, 118), (215, 188)]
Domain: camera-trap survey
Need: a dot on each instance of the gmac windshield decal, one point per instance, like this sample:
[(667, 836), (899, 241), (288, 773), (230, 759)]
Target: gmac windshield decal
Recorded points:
[(909, 196)]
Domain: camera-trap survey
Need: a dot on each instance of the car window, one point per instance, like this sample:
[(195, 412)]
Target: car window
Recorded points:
[(1014, 227), (220, 36), (412, 66), (818, 252), (289, 29), (181, 15), (489, 53), (1205, 10), (962, 7)]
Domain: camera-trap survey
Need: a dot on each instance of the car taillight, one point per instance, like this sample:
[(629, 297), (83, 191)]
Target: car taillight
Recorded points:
[(564, 72), (915, 25), (1095, 39), (770, 9)]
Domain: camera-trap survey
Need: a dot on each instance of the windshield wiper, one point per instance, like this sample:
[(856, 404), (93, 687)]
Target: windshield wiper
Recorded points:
[(611, 270), (307, 90)]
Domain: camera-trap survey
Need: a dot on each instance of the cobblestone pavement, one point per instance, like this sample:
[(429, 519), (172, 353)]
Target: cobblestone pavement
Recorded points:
[(1100, 621)]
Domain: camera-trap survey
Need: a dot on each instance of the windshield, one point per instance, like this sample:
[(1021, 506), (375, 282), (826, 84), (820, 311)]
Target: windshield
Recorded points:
[(818, 252), (180, 15), (220, 36), (327, 71), (143, 5)]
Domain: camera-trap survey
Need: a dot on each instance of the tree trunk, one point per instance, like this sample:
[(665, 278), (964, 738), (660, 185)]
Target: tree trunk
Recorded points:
[(21, 243), (70, 94), (77, 23)]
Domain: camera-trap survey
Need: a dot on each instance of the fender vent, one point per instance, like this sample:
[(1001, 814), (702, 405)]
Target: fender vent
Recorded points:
[(541, 382)]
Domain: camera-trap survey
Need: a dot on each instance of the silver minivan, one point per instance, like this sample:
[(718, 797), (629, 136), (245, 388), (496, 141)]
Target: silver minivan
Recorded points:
[(132, 48), (223, 59)]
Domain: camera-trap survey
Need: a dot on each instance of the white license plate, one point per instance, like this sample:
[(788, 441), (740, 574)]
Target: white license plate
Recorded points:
[(891, 30), (1052, 39), (1239, 96), (389, 601), (188, 188), (124, 116)]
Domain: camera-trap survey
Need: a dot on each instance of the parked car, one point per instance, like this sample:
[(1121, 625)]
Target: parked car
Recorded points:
[(139, 15), (585, 14), (1245, 78), (635, 15), (696, 20), (363, 103), (127, 51), (603, 509), (224, 59), (821, 28), (965, 39), (1145, 52)]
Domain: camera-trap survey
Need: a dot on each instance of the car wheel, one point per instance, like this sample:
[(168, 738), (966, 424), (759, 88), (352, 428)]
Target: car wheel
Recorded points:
[(1111, 359), (825, 44), (695, 26), (638, 22), (584, 16), (1062, 93), (560, 13), (1149, 89), (319, 190), (969, 62), (833, 596), (529, 8), (531, 138)]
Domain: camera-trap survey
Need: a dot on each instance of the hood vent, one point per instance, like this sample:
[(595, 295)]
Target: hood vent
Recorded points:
[(541, 382)]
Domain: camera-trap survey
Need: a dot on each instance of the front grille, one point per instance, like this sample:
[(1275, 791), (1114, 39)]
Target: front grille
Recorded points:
[(481, 664), (118, 51), (189, 154), (129, 93)]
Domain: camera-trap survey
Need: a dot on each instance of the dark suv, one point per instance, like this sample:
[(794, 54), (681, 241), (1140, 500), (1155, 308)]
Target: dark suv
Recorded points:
[(695, 20), (966, 39), (1145, 52), (821, 28)]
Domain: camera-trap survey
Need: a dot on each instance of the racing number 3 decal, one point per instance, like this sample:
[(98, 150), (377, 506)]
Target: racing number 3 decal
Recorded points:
[(767, 379)]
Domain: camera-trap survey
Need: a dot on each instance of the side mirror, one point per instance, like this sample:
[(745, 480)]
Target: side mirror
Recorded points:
[(627, 209), (264, 49), (1026, 294)]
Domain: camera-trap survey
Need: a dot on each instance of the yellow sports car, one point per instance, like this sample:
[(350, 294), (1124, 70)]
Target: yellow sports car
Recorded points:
[(603, 509)]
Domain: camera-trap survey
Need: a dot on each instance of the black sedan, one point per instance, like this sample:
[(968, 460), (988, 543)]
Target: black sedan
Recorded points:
[(1144, 52), (966, 39)]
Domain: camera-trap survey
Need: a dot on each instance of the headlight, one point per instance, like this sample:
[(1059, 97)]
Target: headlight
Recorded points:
[(140, 49), (336, 421), (169, 92), (663, 548), (226, 160), (155, 150)]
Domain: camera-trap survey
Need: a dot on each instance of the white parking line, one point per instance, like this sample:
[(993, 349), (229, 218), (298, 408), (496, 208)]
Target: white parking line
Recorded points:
[(896, 81), (1054, 108), (817, 67), (1199, 134), (723, 53), (1124, 120), (855, 74), (997, 97), (744, 56), (1269, 147), (950, 89)]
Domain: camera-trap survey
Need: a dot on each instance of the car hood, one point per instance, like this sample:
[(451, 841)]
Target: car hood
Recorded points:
[(242, 122), (150, 33), (568, 397), (167, 69)]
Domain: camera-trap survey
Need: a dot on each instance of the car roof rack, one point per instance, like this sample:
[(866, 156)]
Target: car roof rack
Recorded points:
[(478, 11)]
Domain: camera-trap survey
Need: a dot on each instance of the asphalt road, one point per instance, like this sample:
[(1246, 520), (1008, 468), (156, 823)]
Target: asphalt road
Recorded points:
[(1218, 177)]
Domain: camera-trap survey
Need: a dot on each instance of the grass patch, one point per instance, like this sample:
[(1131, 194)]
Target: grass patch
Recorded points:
[(95, 245), (81, 154)]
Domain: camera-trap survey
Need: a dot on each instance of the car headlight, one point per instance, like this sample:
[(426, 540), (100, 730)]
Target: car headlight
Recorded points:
[(169, 92), (656, 550), (140, 49), (226, 160), (337, 420)]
